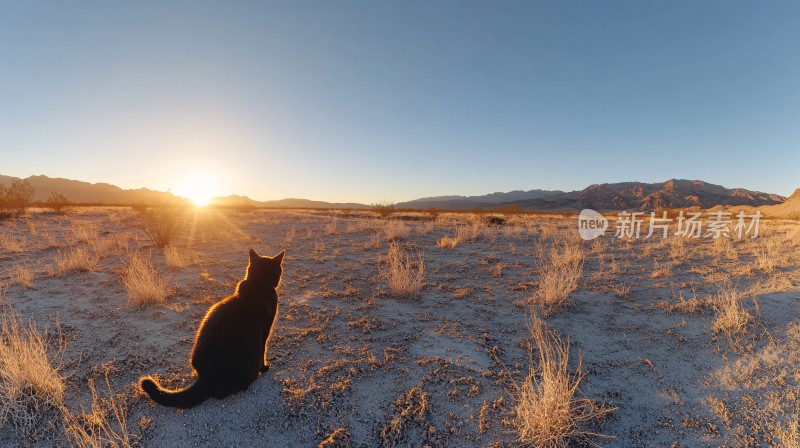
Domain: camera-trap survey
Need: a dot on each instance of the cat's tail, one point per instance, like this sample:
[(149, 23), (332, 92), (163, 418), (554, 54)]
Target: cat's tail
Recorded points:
[(186, 398)]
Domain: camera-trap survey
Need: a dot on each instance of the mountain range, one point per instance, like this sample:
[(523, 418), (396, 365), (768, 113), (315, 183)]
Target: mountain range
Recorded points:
[(674, 193)]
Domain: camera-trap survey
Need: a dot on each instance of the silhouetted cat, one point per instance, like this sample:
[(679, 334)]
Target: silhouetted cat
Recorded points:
[(230, 348)]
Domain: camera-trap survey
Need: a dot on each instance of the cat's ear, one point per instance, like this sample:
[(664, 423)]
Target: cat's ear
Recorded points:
[(279, 257), (254, 255)]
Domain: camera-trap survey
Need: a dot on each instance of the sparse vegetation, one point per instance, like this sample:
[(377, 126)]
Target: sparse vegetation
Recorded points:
[(105, 424), (447, 242), (550, 411), (143, 283), (23, 276), (77, 259), (384, 209), (58, 204), (179, 257), (162, 222), (404, 271), (560, 268), (16, 198), (31, 387), (396, 230), (731, 317)]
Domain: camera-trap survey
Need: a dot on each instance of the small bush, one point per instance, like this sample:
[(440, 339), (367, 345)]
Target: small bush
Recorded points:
[(404, 272), (143, 283), (447, 242), (396, 230), (559, 272), (11, 244), (23, 276), (30, 386), (78, 259), (104, 425), (731, 317), (161, 223), (85, 231), (58, 204), (468, 232), (549, 410), (384, 209), (16, 198), (433, 213), (179, 257)]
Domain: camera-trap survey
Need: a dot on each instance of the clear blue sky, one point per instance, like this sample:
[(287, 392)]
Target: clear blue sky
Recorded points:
[(379, 100)]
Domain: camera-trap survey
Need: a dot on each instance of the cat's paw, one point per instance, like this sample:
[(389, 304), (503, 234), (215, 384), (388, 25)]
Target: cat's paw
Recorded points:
[(265, 367)]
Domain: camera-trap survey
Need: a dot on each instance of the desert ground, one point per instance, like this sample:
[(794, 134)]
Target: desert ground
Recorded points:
[(409, 330)]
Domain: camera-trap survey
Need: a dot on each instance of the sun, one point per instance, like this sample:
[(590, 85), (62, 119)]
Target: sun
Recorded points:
[(198, 187)]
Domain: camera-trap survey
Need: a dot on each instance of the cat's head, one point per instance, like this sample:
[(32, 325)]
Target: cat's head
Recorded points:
[(266, 269)]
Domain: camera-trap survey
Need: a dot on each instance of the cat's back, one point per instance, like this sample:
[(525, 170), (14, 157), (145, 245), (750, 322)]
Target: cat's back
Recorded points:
[(239, 309)]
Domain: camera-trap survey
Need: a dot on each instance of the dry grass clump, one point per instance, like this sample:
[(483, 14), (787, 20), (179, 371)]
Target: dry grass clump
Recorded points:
[(290, 235), (331, 227), (84, 232), (23, 276), (676, 248), (468, 232), (404, 271), (724, 247), (161, 223), (559, 272), (464, 233), (143, 283), (396, 230), (30, 385), (411, 406), (769, 253), (104, 425), (179, 257), (11, 244), (731, 317), (549, 409), (77, 259), (789, 431), (384, 209), (447, 242)]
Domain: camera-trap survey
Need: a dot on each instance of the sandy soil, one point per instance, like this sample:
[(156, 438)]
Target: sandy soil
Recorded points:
[(351, 360)]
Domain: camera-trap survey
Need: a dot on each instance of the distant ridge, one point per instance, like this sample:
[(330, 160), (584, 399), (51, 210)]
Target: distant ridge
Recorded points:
[(244, 201), (88, 193), (470, 202), (674, 193)]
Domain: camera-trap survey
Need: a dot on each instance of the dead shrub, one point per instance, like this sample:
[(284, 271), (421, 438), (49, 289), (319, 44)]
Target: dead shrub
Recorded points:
[(550, 410), (143, 283)]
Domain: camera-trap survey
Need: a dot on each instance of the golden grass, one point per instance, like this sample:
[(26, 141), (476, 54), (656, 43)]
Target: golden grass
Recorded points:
[(23, 276), (290, 235), (447, 242), (179, 257), (396, 230), (30, 385), (84, 232), (731, 317), (143, 283), (11, 244), (559, 272), (468, 232), (161, 223), (77, 259), (404, 271), (411, 406), (549, 408), (331, 228), (104, 425)]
